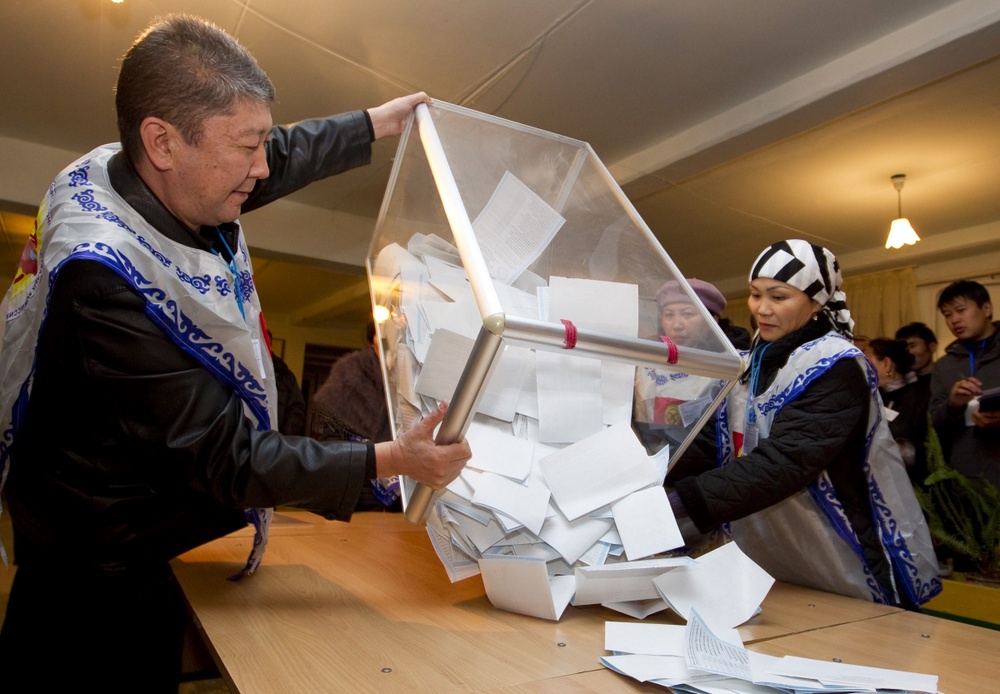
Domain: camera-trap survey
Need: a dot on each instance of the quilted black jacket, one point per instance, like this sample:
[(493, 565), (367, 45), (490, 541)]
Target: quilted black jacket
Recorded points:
[(822, 429)]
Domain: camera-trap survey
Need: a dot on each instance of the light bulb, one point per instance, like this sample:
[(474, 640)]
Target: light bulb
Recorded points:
[(901, 234)]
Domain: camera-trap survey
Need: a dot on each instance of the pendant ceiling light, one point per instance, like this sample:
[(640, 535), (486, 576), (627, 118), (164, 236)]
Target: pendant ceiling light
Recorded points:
[(900, 233)]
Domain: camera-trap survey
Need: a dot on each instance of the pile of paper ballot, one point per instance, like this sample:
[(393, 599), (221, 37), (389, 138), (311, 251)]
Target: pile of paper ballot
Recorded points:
[(712, 660), (485, 222), (541, 520)]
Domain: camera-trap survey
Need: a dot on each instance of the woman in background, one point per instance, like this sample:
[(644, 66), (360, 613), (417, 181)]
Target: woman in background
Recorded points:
[(351, 406), (803, 468), (667, 404), (905, 401)]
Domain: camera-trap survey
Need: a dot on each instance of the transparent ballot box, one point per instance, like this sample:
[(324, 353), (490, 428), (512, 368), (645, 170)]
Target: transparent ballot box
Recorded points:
[(522, 287)]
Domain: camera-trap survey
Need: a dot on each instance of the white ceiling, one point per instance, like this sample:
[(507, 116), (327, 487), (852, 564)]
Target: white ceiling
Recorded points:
[(729, 123)]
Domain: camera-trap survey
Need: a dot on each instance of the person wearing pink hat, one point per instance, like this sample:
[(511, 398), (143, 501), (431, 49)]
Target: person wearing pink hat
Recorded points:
[(680, 319), (667, 404), (682, 322)]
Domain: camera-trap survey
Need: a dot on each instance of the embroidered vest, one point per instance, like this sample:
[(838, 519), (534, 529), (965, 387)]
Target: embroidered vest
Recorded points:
[(190, 294), (807, 538)]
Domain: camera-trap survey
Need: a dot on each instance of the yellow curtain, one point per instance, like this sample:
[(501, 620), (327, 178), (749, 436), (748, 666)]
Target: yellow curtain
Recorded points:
[(880, 303), (738, 313)]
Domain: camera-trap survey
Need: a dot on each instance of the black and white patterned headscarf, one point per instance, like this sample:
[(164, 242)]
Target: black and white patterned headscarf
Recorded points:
[(811, 269)]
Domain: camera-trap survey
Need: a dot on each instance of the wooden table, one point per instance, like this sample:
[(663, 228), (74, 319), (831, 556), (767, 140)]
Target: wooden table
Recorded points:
[(367, 606), (965, 658)]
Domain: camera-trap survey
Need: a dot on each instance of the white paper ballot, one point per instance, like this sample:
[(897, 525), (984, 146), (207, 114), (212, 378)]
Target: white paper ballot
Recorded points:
[(527, 399), (725, 586), (624, 581), (523, 585), (535, 550), (499, 452), (598, 470), (646, 523), (514, 228), (570, 403), (572, 538), (830, 674), (517, 302), (654, 639), (426, 246), (390, 264), (458, 565), (617, 388), (463, 486), (463, 317), (638, 609), (525, 503), (646, 668), (448, 279), (442, 370), (483, 536), (704, 650), (609, 307)]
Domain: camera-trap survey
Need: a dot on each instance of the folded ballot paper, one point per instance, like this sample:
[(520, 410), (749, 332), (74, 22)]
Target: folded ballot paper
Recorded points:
[(703, 658), (521, 287)]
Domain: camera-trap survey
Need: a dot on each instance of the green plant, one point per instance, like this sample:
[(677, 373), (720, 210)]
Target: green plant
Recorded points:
[(962, 514)]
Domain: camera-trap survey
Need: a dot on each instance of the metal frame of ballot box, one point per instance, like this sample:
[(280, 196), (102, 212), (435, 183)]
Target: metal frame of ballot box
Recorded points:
[(500, 327)]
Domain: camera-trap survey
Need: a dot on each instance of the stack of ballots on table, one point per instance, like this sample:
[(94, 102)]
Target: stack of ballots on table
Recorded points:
[(709, 658), (521, 288)]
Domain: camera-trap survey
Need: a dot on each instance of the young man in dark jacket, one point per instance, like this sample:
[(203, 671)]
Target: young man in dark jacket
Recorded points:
[(971, 364)]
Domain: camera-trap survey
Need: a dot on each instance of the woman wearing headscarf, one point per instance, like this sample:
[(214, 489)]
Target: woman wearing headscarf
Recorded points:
[(805, 471), (682, 321), (667, 404)]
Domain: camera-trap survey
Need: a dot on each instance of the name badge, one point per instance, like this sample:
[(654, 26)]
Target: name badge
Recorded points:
[(750, 439), (691, 410)]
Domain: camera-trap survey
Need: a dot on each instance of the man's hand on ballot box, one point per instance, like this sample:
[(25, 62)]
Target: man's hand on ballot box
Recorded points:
[(415, 454)]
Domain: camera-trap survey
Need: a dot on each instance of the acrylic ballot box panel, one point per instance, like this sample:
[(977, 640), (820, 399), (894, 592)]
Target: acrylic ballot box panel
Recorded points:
[(522, 288)]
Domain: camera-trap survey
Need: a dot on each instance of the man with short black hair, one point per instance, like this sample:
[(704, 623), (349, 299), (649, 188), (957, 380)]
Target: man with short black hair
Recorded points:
[(971, 364), (921, 342)]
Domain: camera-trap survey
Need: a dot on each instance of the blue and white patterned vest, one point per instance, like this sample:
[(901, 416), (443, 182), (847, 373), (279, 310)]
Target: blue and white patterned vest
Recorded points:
[(189, 293), (792, 540)]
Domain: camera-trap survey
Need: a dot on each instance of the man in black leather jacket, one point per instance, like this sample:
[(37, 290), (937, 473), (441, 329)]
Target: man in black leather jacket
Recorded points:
[(129, 450)]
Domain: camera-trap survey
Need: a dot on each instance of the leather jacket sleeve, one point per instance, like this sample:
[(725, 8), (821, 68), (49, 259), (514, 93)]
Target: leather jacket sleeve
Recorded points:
[(310, 150)]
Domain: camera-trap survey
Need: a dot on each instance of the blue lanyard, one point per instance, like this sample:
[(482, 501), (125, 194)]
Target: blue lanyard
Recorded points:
[(237, 288), (972, 357), (756, 359)]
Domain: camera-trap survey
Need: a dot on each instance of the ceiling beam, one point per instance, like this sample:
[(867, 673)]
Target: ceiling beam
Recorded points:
[(940, 44)]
